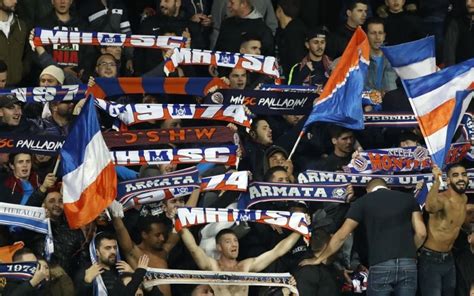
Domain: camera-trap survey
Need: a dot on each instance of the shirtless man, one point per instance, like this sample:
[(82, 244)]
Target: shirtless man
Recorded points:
[(228, 246), (156, 241), (437, 273)]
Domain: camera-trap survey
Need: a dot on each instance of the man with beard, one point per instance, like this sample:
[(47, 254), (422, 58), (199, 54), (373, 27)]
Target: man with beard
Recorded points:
[(154, 233), (313, 69), (447, 212), (115, 274)]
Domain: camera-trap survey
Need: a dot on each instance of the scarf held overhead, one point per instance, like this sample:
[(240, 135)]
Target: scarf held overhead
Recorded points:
[(194, 86), (154, 189), (156, 276), (264, 192), (254, 63), (42, 94), (48, 37), (135, 113), (46, 144), (402, 159), (265, 102), (205, 135), (187, 217), (223, 155)]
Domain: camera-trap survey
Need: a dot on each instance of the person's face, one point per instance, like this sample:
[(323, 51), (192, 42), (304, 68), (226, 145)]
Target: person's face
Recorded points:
[(233, 7), (358, 15), (203, 290), (228, 246), (156, 237), (107, 252), (251, 47), (277, 159), (116, 51), (344, 143), (64, 109), (11, 115), (263, 133), (106, 67), (238, 78), (27, 258), (8, 5), (293, 119), (62, 6), (408, 143), (316, 46), (171, 206), (470, 239), (169, 7), (395, 6), (45, 265), (41, 158), (167, 168), (54, 204), (3, 79), (280, 177), (470, 6), (48, 80), (376, 36), (21, 166), (457, 179)]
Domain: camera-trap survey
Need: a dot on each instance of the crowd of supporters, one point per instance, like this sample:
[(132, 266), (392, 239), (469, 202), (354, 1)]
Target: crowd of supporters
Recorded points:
[(308, 38)]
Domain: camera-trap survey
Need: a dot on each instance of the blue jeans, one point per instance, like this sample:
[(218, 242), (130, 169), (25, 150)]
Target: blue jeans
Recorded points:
[(437, 273), (393, 277)]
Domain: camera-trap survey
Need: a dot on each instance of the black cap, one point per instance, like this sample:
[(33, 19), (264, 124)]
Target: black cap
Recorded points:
[(274, 149), (7, 101), (320, 32)]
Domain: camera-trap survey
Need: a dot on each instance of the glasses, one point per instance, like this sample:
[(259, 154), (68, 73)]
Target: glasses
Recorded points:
[(103, 64)]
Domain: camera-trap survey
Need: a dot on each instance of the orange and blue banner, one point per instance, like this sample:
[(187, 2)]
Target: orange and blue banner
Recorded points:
[(340, 102)]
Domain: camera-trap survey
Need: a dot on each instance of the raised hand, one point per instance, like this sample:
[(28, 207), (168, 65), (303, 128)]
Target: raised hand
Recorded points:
[(92, 272), (143, 261)]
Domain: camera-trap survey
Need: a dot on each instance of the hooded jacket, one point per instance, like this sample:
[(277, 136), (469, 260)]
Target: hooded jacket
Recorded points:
[(11, 191)]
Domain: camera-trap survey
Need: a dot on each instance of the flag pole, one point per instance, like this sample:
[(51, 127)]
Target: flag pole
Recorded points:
[(56, 165), (296, 143)]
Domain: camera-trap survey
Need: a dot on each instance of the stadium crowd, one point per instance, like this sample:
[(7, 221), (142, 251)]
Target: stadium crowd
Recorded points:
[(399, 248)]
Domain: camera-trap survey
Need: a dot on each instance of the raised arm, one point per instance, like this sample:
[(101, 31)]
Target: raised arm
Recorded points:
[(124, 239), (433, 202), (203, 261), (173, 238), (261, 262), (419, 228)]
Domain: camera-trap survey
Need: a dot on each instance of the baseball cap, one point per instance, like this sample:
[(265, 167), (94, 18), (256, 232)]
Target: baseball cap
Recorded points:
[(274, 149), (320, 32), (7, 101), (54, 71)]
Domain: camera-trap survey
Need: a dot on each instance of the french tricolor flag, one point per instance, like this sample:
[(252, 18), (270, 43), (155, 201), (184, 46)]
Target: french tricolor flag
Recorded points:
[(89, 178)]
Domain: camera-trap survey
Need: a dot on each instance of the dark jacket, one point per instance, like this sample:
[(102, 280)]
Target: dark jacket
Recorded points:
[(290, 42), (459, 41), (147, 58), (112, 281), (14, 52), (11, 191), (337, 41), (403, 27), (233, 28)]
